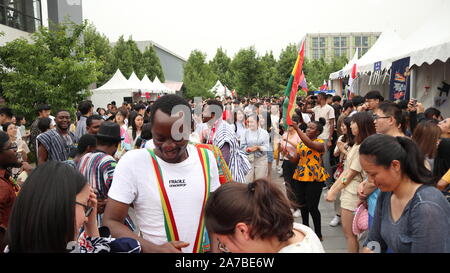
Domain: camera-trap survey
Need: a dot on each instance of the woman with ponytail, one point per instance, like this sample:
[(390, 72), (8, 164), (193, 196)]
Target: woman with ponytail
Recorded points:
[(256, 218), (412, 216), (310, 175)]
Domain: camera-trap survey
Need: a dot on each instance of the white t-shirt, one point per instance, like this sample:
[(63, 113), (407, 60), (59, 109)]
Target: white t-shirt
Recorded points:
[(306, 118), (310, 244), (326, 112), (149, 144), (135, 183)]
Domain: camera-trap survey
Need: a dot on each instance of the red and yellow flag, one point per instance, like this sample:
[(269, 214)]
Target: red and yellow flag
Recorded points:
[(292, 87)]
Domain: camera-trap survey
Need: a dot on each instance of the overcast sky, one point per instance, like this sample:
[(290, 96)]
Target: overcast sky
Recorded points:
[(184, 25)]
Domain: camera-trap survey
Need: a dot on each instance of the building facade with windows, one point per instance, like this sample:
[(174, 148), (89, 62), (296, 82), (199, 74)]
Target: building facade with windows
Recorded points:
[(330, 45), (20, 18)]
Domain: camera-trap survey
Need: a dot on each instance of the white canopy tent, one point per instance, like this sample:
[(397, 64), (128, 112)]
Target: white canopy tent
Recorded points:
[(116, 89), (147, 85), (134, 82), (381, 51), (427, 44), (161, 88), (428, 47), (220, 90), (118, 81)]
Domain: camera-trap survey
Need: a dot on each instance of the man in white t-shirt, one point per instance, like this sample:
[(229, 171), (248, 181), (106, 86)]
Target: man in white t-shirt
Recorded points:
[(323, 110), (135, 183)]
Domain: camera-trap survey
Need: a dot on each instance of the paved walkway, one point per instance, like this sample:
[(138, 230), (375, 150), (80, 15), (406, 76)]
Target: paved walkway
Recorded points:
[(333, 237)]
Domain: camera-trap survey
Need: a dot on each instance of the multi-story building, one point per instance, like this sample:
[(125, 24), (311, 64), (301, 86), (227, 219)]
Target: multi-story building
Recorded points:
[(329, 45), (20, 18)]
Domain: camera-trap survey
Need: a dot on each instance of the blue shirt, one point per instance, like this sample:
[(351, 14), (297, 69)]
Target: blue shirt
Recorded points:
[(423, 227)]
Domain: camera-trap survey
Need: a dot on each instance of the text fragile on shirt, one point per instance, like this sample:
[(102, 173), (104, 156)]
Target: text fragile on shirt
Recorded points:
[(135, 183)]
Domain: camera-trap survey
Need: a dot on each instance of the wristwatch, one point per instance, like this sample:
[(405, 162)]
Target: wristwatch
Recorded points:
[(344, 180)]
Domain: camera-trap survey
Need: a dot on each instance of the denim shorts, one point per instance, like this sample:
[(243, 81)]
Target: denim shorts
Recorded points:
[(270, 156)]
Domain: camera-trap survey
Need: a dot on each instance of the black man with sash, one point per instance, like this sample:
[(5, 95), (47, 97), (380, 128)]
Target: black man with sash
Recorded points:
[(167, 186)]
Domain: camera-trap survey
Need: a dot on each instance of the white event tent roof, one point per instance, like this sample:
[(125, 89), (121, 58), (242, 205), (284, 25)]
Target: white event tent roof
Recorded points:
[(161, 88), (117, 82), (220, 90), (380, 51), (134, 82), (146, 84), (428, 43)]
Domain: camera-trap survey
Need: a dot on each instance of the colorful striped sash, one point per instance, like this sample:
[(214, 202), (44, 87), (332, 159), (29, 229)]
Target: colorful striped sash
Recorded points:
[(169, 219)]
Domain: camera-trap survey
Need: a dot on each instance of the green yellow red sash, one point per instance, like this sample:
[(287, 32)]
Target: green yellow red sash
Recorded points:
[(169, 219)]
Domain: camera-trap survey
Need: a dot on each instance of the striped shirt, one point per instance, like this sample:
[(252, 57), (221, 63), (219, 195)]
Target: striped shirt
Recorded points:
[(98, 168), (58, 147), (238, 163)]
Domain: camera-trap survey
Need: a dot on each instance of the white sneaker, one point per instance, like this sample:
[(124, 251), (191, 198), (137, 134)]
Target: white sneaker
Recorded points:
[(336, 221), (297, 213)]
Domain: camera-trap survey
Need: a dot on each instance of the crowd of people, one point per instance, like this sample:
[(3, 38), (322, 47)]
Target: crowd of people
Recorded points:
[(173, 175)]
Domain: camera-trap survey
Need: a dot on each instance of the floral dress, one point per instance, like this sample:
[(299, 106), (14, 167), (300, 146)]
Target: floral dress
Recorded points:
[(310, 167)]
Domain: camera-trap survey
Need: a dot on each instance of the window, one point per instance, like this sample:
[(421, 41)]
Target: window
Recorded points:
[(365, 41), (21, 14), (362, 43), (315, 42), (315, 53), (343, 41), (322, 42), (337, 52), (337, 41)]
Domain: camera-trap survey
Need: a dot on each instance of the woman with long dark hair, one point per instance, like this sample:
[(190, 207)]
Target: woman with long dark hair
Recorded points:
[(54, 203), (137, 121), (362, 126), (412, 216), (239, 123), (343, 146), (310, 175), (256, 218)]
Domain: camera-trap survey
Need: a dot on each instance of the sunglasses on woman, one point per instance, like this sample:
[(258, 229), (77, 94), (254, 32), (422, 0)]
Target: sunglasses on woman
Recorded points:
[(87, 209)]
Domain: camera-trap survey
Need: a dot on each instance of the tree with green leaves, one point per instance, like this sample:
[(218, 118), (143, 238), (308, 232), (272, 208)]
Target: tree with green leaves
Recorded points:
[(316, 71), (198, 77), (122, 57), (285, 64), (220, 66), (151, 65), (268, 79), (98, 44), (53, 69), (246, 69)]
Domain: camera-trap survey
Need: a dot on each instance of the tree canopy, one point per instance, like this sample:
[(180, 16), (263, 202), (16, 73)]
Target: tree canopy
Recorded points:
[(53, 69)]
